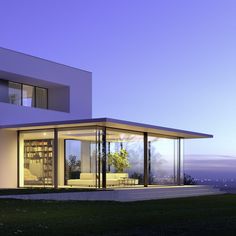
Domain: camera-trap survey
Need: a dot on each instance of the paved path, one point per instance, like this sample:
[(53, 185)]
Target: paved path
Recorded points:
[(124, 195)]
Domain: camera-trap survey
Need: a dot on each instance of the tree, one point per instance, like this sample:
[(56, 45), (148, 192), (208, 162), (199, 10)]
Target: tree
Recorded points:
[(73, 166), (72, 161), (119, 160)]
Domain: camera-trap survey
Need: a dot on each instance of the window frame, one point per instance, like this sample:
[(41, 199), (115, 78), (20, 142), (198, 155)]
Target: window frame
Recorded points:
[(35, 99), (21, 93), (34, 94)]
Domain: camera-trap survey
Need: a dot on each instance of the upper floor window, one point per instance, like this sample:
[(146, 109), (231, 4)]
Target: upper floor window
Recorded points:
[(41, 98), (23, 94), (28, 96), (14, 93)]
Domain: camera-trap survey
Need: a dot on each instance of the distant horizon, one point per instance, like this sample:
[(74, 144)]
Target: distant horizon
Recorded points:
[(210, 166)]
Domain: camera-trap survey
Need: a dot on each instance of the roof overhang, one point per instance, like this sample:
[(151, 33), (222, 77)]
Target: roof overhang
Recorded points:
[(111, 123)]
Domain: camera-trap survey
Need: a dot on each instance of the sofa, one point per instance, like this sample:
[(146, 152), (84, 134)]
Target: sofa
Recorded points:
[(113, 179), (29, 176)]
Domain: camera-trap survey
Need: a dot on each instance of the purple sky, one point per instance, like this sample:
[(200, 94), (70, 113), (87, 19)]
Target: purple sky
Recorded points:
[(165, 62), (210, 166)]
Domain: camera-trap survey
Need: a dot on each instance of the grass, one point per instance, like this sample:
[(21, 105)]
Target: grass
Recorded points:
[(43, 190), (208, 215)]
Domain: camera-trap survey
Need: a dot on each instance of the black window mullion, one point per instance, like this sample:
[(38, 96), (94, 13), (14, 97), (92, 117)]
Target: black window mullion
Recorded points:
[(43, 92), (21, 88), (34, 91), (47, 97)]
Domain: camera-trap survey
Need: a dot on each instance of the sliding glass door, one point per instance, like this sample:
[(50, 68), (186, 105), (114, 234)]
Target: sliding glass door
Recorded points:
[(72, 159), (78, 158), (98, 158)]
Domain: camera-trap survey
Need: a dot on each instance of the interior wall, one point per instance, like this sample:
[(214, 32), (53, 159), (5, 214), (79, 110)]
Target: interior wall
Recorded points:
[(85, 157), (8, 159), (61, 162)]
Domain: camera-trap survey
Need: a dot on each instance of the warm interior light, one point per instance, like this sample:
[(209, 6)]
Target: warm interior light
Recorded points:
[(44, 134)]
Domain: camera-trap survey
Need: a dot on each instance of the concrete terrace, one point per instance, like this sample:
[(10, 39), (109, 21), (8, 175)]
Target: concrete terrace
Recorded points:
[(124, 195)]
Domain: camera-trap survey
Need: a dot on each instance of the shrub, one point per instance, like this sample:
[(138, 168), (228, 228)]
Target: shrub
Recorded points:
[(189, 180)]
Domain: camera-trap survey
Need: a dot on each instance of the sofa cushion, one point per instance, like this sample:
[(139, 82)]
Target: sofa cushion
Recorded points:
[(81, 182), (117, 175), (88, 176)]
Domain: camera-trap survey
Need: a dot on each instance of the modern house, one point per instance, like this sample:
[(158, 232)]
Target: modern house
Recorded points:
[(49, 138)]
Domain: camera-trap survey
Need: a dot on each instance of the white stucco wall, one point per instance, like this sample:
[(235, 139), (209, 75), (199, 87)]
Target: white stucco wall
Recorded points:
[(12, 114), (8, 159), (23, 68)]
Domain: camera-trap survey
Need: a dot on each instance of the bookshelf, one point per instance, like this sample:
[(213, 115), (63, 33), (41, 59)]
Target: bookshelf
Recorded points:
[(38, 160)]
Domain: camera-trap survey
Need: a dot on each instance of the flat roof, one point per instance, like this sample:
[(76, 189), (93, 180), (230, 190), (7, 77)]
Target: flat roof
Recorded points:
[(42, 59), (111, 123)]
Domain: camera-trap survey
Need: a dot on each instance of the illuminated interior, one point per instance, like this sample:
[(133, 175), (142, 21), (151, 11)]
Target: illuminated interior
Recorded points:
[(77, 158), (92, 158), (125, 158), (36, 158)]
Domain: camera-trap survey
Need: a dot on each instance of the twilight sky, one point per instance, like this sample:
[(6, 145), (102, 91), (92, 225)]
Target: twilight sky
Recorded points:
[(165, 62)]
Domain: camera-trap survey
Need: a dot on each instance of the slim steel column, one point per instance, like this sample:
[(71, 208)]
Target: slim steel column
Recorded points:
[(149, 162), (99, 159), (104, 157), (146, 165)]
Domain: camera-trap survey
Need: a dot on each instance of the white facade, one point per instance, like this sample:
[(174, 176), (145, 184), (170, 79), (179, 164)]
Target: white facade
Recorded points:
[(69, 89), (8, 159), (69, 98)]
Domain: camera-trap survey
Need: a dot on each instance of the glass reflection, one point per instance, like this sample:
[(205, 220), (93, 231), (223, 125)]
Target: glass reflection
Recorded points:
[(28, 96), (77, 158), (162, 160), (14, 93), (124, 159)]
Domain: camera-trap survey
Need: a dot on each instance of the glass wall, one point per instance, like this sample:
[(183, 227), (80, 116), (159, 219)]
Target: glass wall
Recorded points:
[(22, 94), (28, 96), (84, 154), (36, 158), (125, 159), (14, 91), (180, 165), (163, 160), (77, 158), (72, 159), (41, 97)]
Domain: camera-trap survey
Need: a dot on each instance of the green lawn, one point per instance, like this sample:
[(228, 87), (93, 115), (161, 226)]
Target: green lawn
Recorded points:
[(43, 190), (210, 215)]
